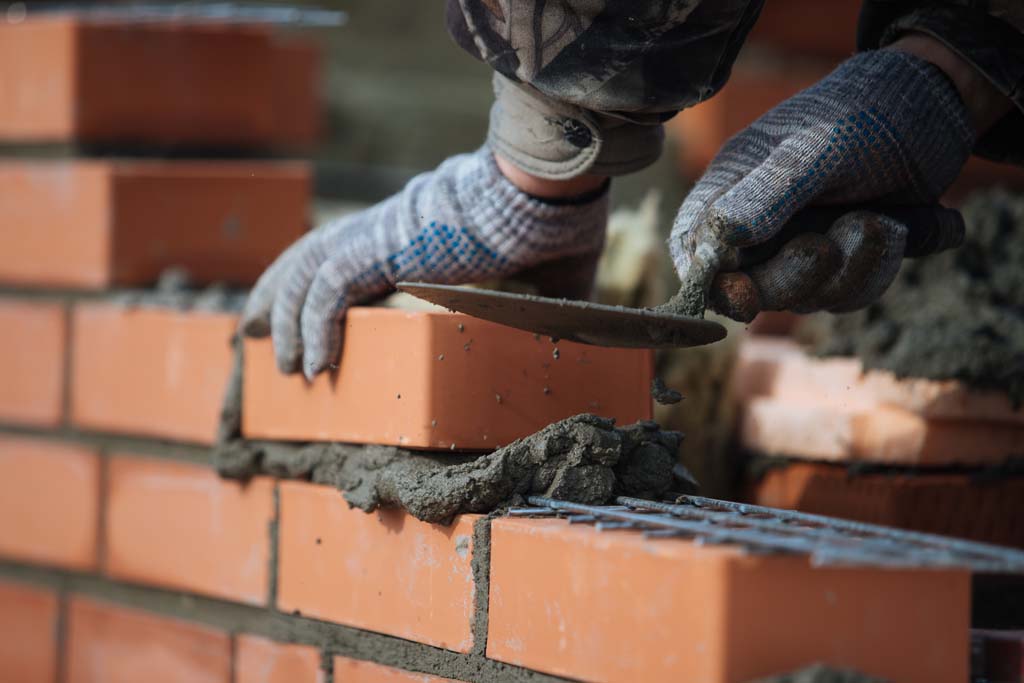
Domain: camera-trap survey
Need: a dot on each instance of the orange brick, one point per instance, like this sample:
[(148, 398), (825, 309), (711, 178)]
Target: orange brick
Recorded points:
[(32, 350), (111, 644), (413, 379), (780, 368), (49, 502), (385, 572), (297, 101), (950, 504), (147, 371), (259, 660), (93, 81), (887, 435), (809, 27), (179, 525), (608, 607), (356, 671), (28, 634), (97, 224), (37, 78)]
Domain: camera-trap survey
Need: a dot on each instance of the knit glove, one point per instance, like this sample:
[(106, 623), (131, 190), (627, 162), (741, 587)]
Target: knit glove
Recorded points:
[(885, 129), (464, 222)]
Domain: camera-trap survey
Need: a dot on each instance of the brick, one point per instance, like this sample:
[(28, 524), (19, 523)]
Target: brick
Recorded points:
[(609, 607), (92, 81), (413, 379), (780, 368), (960, 505), (357, 671), (386, 572), (112, 644), (149, 371), (179, 525), (98, 224), (883, 435), (49, 502), (297, 101), (32, 352), (808, 27), (28, 622), (259, 660)]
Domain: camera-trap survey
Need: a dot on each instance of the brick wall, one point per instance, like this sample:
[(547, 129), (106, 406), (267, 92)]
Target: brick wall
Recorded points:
[(124, 557)]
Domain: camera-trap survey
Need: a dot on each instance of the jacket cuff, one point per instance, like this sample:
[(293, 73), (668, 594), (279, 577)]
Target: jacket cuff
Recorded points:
[(993, 47)]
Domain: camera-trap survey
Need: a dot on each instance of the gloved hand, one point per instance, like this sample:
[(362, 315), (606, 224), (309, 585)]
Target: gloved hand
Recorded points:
[(885, 129), (464, 222)]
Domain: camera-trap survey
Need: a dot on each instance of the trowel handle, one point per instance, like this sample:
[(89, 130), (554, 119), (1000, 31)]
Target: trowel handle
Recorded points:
[(931, 229)]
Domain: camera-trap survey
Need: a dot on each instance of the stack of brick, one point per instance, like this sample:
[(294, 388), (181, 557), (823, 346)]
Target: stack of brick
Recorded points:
[(123, 556), (913, 453), (793, 45)]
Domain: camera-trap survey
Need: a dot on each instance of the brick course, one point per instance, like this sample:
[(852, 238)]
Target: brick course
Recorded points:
[(87, 224), (609, 606), (92, 81), (430, 380)]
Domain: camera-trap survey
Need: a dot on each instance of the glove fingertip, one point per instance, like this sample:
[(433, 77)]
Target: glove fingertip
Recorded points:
[(311, 370), (287, 353), (735, 296), (258, 328)]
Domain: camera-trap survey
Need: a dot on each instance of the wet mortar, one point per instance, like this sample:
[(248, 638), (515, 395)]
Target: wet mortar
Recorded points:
[(662, 394), (957, 315), (174, 289), (584, 459)]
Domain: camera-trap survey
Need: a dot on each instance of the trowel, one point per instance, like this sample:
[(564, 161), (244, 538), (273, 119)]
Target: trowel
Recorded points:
[(579, 321), (678, 322)]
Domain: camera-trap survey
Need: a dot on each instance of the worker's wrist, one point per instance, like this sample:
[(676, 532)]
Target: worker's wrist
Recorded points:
[(545, 188), (984, 102)]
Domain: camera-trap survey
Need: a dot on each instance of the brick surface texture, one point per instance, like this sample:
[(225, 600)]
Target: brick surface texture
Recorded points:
[(32, 362), (49, 502), (180, 526), (28, 622)]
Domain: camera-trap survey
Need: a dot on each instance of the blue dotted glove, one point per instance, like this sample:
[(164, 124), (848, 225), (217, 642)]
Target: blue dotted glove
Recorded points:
[(884, 130), (464, 222)]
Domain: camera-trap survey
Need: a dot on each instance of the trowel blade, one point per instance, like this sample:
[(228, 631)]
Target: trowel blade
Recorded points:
[(579, 321)]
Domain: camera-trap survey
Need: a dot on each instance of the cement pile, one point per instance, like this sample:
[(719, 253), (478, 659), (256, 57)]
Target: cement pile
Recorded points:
[(583, 459), (956, 315)]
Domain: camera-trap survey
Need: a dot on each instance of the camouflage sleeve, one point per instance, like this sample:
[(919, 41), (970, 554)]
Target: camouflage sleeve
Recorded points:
[(989, 34), (640, 58)]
